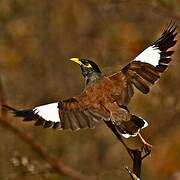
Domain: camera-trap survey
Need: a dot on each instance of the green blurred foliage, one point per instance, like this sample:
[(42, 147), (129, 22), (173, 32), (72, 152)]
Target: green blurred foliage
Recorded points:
[(36, 40)]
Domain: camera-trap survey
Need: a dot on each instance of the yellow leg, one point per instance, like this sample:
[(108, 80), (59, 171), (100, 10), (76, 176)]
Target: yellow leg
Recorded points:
[(146, 146)]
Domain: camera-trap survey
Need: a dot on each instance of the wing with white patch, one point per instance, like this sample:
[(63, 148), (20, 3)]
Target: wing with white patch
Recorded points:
[(148, 66), (68, 114), (151, 55)]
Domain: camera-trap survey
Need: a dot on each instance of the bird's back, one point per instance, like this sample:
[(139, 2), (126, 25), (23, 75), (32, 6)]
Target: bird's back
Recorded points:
[(103, 91)]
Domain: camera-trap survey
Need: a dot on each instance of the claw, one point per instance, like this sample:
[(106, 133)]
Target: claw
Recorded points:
[(146, 146)]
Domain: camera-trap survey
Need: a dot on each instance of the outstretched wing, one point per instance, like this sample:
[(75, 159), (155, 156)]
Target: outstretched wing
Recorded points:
[(68, 114), (148, 66)]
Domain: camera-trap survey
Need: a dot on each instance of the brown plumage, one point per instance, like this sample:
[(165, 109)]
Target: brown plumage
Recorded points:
[(105, 98)]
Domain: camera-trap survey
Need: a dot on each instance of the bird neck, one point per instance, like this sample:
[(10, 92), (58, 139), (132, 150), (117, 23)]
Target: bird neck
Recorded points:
[(92, 77)]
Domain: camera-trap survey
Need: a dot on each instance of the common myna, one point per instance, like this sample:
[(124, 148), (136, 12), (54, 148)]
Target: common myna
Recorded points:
[(105, 98)]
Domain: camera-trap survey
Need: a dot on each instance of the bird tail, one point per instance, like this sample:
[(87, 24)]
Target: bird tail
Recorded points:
[(132, 127), (139, 122)]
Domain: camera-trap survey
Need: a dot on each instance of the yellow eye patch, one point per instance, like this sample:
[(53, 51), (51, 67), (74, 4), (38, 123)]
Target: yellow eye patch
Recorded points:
[(88, 66)]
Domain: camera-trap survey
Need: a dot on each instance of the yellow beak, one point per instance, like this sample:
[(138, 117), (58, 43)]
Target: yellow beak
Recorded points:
[(76, 60)]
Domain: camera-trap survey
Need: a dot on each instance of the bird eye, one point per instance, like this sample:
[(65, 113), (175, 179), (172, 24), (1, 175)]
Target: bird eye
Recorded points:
[(86, 63)]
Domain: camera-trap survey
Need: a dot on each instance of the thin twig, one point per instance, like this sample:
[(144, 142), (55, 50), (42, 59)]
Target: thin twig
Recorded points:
[(113, 129)]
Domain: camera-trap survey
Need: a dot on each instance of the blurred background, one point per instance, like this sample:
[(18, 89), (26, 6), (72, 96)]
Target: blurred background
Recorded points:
[(36, 40)]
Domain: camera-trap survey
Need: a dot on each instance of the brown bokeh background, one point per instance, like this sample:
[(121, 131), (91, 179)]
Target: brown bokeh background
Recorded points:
[(36, 40)]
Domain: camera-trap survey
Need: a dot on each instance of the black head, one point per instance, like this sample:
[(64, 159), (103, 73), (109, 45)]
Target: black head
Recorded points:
[(90, 70), (87, 66)]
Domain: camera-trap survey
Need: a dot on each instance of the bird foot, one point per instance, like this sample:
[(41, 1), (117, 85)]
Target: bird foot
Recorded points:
[(147, 147)]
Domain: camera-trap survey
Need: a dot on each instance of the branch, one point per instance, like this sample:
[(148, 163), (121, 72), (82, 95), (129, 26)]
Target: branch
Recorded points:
[(56, 164), (137, 162), (113, 129), (132, 175)]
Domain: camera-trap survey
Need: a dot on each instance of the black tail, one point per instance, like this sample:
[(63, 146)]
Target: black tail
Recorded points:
[(139, 122), (131, 127)]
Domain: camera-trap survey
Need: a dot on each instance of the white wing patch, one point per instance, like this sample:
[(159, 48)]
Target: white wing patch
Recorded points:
[(145, 124), (49, 112), (150, 55)]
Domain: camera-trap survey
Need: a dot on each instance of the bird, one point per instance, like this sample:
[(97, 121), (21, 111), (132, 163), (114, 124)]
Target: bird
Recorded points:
[(105, 98)]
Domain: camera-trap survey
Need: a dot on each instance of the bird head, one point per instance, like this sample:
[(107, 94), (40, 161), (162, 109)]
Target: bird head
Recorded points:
[(88, 67), (90, 70)]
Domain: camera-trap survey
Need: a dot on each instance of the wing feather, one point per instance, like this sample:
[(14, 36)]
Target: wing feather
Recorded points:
[(68, 114), (148, 66)]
